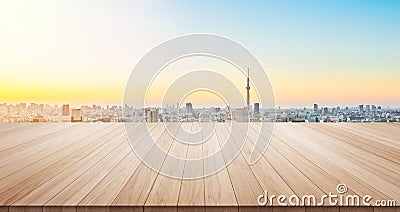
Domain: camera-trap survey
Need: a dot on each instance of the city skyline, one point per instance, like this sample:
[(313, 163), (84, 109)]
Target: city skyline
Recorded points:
[(188, 112), (310, 53)]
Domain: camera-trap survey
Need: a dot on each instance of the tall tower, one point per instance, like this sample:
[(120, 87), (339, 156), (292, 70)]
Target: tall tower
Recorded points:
[(248, 89)]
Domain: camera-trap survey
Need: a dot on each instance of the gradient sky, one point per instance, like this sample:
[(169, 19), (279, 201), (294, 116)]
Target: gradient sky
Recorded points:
[(82, 52)]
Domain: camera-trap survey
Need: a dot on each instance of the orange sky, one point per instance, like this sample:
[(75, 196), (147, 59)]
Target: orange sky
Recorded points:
[(50, 56)]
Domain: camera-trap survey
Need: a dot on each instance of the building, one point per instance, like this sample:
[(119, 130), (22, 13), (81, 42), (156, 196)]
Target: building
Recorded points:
[(152, 116), (316, 108), (256, 108), (65, 110), (373, 109), (76, 115), (368, 110), (228, 113), (242, 114), (146, 110), (325, 111), (361, 108), (189, 108), (248, 89)]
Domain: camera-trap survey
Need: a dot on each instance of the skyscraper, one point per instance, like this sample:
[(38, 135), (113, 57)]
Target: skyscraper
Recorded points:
[(315, 108), (248, 89), (368, 111), (189, 107), (152, 115), (65, 110), (257, 108), (373, 109), (76, 115), (361, 108)]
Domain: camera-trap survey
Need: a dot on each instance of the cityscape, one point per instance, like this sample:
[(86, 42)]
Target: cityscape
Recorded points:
[(34, 112)]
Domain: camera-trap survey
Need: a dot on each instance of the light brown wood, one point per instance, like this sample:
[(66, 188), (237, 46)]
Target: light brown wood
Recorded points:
[(218, 187), (59, 209), (157, 195), (25, 209), (91, 167)]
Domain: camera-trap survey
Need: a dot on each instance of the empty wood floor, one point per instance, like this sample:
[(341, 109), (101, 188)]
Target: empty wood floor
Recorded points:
[(90, 166)]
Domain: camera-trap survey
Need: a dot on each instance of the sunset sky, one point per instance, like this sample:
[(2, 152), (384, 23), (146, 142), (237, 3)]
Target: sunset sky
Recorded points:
[(82, 52)]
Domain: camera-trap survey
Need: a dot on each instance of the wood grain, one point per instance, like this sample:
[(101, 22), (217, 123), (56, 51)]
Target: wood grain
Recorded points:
[(91, 167)]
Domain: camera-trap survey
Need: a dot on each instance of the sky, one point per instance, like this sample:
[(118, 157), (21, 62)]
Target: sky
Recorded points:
[(82, 52)]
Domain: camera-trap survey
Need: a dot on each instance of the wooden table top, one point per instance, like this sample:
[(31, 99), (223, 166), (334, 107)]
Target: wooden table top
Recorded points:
[(85, 165)]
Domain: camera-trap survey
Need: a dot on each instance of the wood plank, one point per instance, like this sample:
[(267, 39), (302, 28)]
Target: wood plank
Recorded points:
[(125, 209), (222, 209), (332, 139), (244, 182), (322, 209), (138, 187), (29, 134), (92, 209), (289, 209), (80, 187), (387, 209), (25, 209), (59, 209), (269, 179), (255, 208), (366, 175), (20, 185), (384, 131), (294, 178), (158, 196), (192, 191), (160, 209), (107, 190), (356, 209), (382, 140), (93, 165), (218, 187), (328, 161), (20, 158), (8, 128)]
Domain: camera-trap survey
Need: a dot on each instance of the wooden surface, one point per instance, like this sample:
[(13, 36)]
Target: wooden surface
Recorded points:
[(91, 167)]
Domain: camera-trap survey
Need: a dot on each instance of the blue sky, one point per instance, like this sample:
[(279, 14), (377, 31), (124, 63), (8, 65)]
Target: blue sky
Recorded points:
[(330, 52)]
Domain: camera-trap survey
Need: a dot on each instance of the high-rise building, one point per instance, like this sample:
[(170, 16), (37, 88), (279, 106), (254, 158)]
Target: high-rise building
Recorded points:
[(368, 109), (373, 109), (189, 107), (146, 110), (65, 110), (152, 116), (315, 108), (76, 115), (257, 108), (361, 108), (248, 89), (242, 114), (325, 111)]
